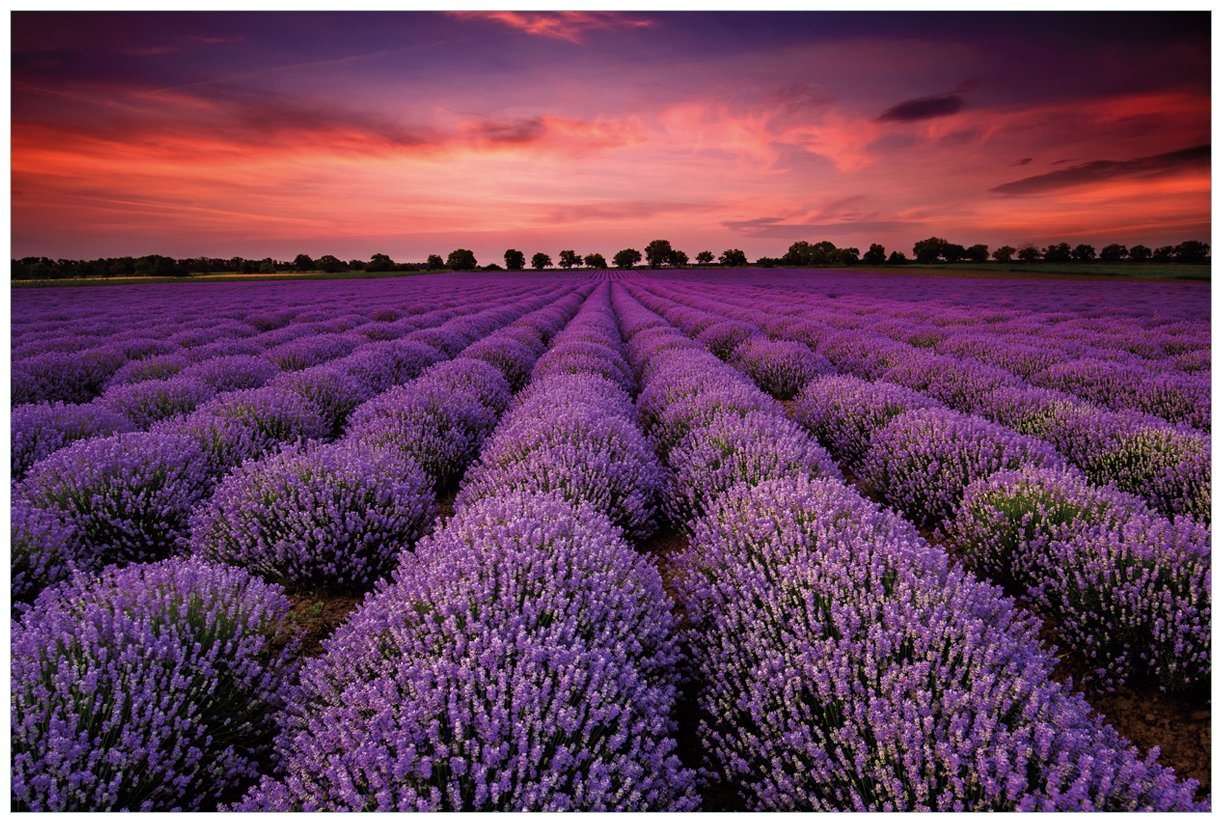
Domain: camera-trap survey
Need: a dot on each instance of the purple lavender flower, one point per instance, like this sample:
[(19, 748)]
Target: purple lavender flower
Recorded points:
[(147, 689), (724, 337), (922, 461), (1133, 598), (328, 515), (782, 368), (150, 401), (246, 424), (232, 372), (310, 350), (44, 549), (587, 455), (732, 449), (156, 367), (40, 429), (844, 411), (1169, 468), (1005, 519), (843, 664), (333, 392), (71, 377), (379, 366), (128, 496), (523, 659)]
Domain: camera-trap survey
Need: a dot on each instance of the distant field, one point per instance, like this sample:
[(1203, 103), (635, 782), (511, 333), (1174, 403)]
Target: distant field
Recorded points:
[(1139, 271), (226, 277)]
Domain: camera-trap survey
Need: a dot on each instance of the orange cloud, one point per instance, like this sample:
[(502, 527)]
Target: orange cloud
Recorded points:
[(558, 25)]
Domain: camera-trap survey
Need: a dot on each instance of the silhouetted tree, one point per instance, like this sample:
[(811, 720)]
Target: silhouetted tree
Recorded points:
[(434, 262), (626, 258), (1058, 253), (953, 252), (303, 262), (1113, 252), (330, 263), (1004, 254), (678, 258), (515, 260), (158, 265), (732, 257), (929, 250), (848, 256), (1140, 253), (978, 253), (569, 258), (658, 253), (540, 261), (1083, 253), (380, 262), (1029, 254), (1192, 251), (1163, 254), (267, 266), (897, 258), (461, 260), (876, 256), (704, 257), (596, 261)]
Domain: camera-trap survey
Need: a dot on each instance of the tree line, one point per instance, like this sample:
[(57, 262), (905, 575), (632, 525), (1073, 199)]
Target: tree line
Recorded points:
[(657, 254)]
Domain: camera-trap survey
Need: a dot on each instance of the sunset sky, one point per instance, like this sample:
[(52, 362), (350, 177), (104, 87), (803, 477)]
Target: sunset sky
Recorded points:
[(269, 134)]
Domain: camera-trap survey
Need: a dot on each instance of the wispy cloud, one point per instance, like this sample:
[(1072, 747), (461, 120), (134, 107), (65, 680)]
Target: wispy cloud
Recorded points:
[(1098, 171), (922, 108), (571, 26)]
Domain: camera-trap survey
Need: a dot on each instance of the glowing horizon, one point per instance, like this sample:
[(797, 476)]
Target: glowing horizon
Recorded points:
[(269, 134)]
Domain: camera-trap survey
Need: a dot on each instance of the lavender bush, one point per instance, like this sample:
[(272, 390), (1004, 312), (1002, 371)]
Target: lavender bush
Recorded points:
[(922, 461), (147, 689), (128, 496), (40, 429), (333, 515), (732, 449), (845, 665), (522, 660)]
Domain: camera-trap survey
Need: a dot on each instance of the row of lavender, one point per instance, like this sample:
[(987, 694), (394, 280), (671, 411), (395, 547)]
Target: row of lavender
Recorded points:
[(1166, 464), (1126, 321), (128, 497), (181, 653), (71, 347), (524, 656), (1113, 355), (1127, 588), (152, 372), (840, 661)]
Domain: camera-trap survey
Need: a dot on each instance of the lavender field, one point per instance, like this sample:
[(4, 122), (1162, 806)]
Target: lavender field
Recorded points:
[(653, 541)]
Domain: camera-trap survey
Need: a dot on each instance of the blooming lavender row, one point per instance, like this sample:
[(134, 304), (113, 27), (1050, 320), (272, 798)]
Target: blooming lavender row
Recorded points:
[(72, 353), (339, 516), (522, 659), (159, 387), (573, 430), (129, 497), (146, 689), (1139, 327), (842, 663), (1130, 609), (1168, 466)]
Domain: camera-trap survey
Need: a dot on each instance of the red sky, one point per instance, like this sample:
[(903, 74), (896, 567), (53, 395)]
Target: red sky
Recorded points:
[(274, 133)]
